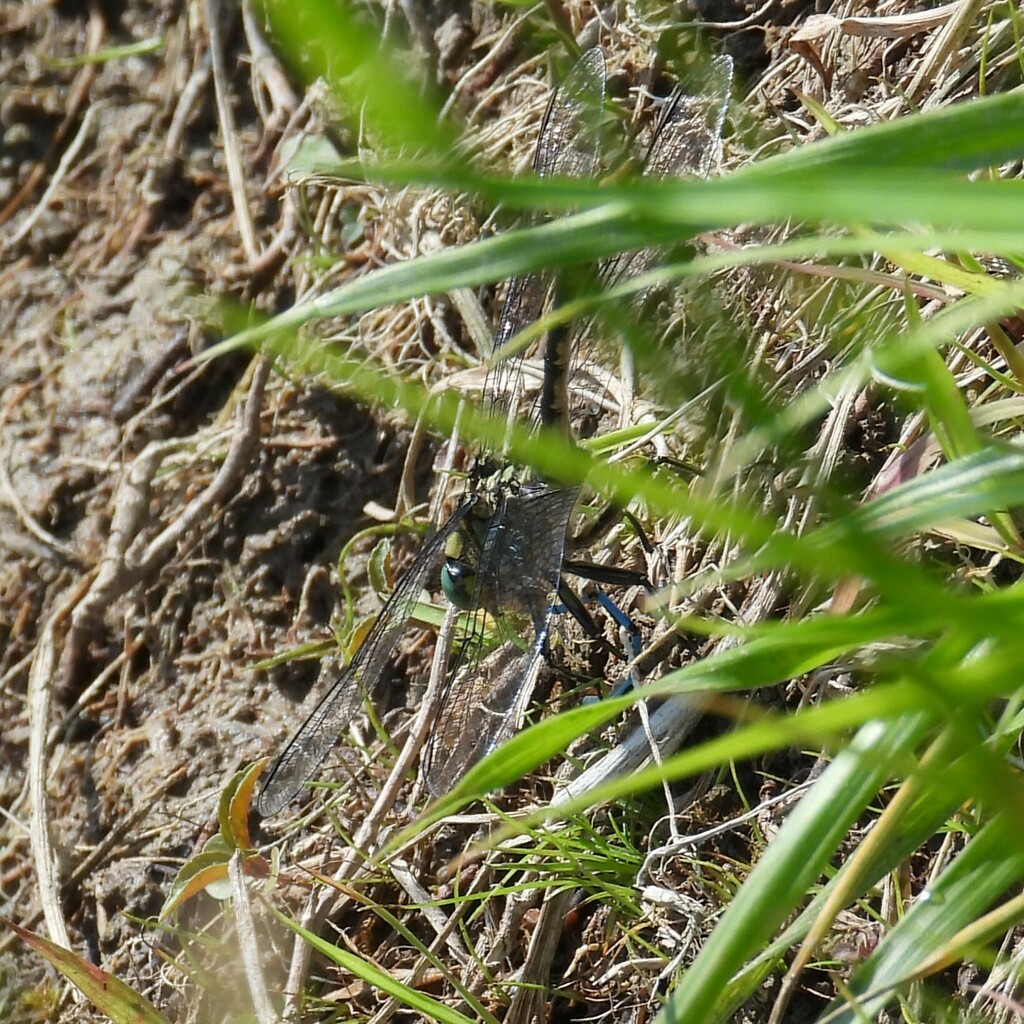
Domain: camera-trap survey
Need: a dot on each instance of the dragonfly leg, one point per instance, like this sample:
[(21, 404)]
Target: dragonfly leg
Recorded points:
[(632, 641), (570, 602), (641, 533), (611, 575), (603, 523), (629, 629)]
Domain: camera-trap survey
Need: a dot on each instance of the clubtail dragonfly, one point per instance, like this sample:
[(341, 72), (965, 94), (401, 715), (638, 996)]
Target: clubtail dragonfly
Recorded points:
[(502, 551)]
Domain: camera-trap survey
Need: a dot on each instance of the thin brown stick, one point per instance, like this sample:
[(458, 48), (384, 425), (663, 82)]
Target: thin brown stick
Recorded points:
[(245, 929), (232, 145), (40, 690)]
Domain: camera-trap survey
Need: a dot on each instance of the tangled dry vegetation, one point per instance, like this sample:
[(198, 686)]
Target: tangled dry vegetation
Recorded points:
[(167, 525)]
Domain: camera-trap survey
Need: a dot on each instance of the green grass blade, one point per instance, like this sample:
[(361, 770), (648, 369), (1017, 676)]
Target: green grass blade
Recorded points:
[(917, 826), (790, 864), (416, 1000), (989, 864)]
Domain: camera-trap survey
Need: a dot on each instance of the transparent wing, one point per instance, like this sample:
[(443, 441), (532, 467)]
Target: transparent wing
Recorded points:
[(522, 555), (685, 143), (490, 711), (568, 145), (516, 577), (317, 735), (686, 139)]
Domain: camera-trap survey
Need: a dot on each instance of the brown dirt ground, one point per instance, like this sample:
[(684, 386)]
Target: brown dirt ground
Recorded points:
[(116, 216)]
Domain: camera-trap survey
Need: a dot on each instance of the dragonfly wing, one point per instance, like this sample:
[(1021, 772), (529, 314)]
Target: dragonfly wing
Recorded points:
[(685, 143), (568, 145), (569, 140), (490, 708), (318, 734), (522, 556), (686, 139)]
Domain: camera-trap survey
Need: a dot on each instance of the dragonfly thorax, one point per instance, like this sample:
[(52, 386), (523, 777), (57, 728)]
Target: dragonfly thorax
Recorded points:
[(464, 548)]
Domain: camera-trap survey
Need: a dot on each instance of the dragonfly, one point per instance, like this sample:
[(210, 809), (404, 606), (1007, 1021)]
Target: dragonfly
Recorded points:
[(501, 554), (486, 701)]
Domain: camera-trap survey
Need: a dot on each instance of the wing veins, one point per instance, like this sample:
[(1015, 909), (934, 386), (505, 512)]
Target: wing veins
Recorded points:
[(313, 739)]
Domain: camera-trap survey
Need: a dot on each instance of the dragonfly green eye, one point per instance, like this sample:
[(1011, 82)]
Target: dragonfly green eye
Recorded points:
[(457, 583)]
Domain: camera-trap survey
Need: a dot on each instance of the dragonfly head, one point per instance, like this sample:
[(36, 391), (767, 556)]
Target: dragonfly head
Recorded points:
[(457, 583)]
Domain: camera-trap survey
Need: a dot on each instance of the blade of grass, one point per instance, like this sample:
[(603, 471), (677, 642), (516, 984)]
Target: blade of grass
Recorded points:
[(989, 864), (918, 825), (432, 1008), (791, 863)]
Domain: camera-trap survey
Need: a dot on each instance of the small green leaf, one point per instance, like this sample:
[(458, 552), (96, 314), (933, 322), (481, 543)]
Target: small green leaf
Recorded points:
[(196, 874), (234, 806), (431, 1008), (377, 568)]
